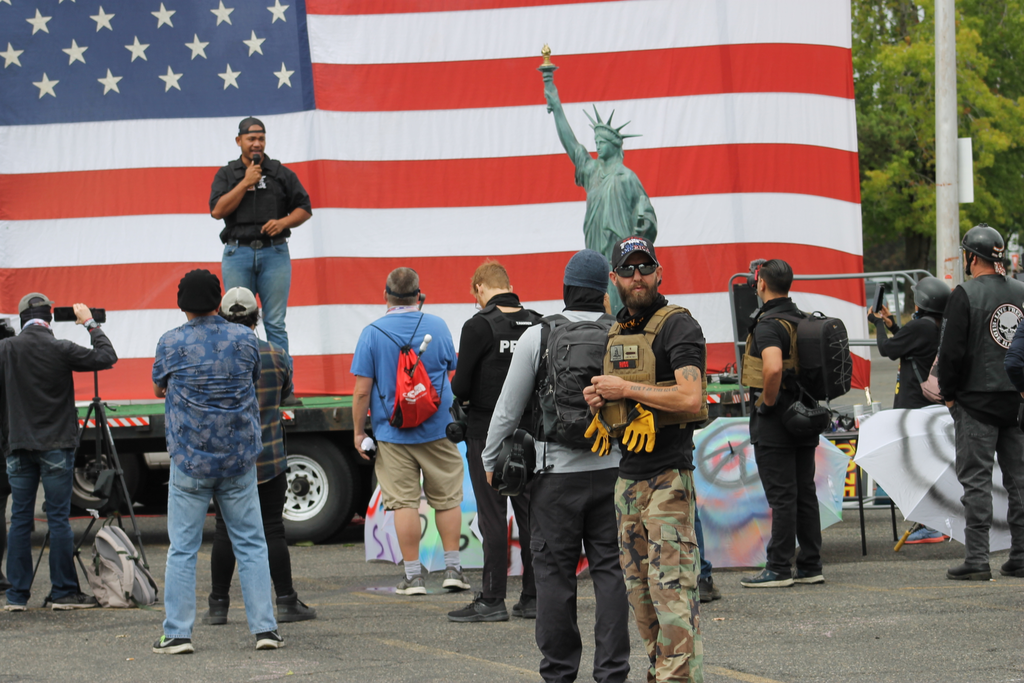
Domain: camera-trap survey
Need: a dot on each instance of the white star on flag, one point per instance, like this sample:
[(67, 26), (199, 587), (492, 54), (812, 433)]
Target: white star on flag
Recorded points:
[(198, 48), (110, 82), (255, 44), (171, 80), (163, 16), (278, 11), (45, 86), (230, 77), (137, 49), (102, 20), (223, 13), (9, 1), (11, 56), (39, 24), (284, 77), (75, 53)]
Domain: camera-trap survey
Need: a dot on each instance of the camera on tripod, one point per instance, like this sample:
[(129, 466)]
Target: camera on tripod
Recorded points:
[(66, 314)]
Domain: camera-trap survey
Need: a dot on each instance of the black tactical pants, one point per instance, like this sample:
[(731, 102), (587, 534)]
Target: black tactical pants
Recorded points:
[(787, 474)]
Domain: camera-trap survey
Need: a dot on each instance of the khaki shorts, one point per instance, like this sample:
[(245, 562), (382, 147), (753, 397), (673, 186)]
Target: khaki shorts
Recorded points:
[(398, 472)]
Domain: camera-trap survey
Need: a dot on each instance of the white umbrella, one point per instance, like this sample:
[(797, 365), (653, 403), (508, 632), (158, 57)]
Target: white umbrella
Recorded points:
[(911, 454)]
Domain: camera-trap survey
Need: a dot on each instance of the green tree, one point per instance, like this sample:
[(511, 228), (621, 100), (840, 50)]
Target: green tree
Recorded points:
[(894, 66)]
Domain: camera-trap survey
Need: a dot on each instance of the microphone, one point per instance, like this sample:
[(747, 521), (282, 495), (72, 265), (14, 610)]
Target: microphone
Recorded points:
[(426, 340), (256, 158)]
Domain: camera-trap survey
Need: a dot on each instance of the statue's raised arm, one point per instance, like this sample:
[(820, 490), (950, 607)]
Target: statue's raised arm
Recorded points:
[(565, 134)]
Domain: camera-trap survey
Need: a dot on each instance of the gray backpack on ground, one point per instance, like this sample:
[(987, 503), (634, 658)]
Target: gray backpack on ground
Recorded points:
[(117, 576), (572, 353)]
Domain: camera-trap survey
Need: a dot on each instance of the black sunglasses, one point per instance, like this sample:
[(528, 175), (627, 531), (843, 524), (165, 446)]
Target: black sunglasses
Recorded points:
[(626, 272)]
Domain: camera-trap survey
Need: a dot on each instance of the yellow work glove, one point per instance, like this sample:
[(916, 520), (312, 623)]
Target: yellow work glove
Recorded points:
[(602, 439), (640, 430)]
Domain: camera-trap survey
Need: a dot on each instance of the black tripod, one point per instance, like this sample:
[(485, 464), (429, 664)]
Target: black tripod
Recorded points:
[(110, 485)]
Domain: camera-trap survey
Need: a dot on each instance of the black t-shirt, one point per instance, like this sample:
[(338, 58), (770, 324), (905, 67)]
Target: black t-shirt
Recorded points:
[(278, 193), (766, 423), (679, 344)]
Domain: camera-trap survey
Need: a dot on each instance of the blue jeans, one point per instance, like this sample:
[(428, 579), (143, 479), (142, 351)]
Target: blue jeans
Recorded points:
[(267, 272), (25, 469), (705, 566), (188, 501)]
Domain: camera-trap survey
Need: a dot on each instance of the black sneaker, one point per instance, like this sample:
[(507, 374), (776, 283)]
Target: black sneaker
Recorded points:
[(479, 610), (74, 601), (173, 646), (290, 608), (271, 640), (808, 577), (526, 607), (1012, 568), (969, 572), (767, 579), (707, 589), (218, 612)]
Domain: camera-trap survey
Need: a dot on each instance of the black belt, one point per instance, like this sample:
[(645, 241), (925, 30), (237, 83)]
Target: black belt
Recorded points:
[(258, 244)]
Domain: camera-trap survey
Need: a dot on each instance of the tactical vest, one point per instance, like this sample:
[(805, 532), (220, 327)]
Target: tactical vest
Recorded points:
[(752, 373), (493, 367), (995, 309), (267, 200), (631, 357)]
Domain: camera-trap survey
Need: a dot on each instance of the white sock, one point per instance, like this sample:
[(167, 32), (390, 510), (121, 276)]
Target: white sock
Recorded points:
[(412, 569), (451, 559)]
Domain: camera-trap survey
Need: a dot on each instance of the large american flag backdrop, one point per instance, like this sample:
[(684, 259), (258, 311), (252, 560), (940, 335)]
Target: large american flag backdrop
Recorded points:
[(419, 129)]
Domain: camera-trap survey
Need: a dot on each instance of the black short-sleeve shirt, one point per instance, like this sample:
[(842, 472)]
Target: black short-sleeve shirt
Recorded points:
[(679, 344)]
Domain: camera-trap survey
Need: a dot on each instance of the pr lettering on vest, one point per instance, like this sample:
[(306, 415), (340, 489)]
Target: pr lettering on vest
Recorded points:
[(507, 346)]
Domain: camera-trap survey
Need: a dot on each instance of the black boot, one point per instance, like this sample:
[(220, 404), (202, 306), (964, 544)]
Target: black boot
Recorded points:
[(290, 608), (968, 572), (218, 612)]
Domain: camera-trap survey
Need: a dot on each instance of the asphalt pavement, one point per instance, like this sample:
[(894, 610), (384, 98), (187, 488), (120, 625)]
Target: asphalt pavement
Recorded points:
[(886, 617)]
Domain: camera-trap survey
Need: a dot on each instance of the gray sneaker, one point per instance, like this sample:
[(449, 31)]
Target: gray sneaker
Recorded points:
[(414, 586), (454, 580), (74, 601)]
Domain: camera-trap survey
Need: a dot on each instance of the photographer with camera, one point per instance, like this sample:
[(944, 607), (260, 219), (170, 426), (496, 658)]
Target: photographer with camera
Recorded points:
[(39, 391), (488, 341)]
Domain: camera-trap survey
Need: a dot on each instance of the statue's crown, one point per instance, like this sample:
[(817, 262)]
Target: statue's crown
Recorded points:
[(607, 126)]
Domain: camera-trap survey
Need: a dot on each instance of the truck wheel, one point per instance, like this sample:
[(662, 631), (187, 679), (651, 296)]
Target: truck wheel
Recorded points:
[(84, 481), (320, 499)]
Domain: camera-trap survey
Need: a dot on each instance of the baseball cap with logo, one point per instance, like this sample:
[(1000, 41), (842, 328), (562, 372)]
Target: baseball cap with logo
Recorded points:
[(238, 297), (625, 247), (32, 300)]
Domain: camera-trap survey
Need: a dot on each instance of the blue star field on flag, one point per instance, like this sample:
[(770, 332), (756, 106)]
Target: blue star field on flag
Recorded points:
[(67, 61)]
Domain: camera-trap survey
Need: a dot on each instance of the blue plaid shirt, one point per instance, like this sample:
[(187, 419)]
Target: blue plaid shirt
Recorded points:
[(210, 368)]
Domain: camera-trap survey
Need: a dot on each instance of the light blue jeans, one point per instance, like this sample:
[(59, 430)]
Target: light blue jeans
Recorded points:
[(25, 469), (188, 501), (267, 272)]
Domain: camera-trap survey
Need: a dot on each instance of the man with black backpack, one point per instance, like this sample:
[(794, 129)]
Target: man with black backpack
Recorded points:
[(650, 397), (571, 500), (785, 458), (402, 361), (488, 341)]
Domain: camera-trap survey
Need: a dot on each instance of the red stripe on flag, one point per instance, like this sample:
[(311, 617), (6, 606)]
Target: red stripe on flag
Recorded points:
[(332, 281), (504, 181), (413, 6), (131, 378), (812, 69)]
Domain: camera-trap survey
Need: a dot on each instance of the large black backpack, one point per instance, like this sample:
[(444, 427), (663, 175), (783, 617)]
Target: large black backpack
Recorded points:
[(824, 365), (571, 354)]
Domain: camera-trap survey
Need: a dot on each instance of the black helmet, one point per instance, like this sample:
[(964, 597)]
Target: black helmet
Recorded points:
[(985, 242), (515, 464), (931, 294), (805, 417)]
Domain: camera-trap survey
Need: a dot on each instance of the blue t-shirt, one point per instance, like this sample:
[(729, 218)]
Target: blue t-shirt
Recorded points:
[(376, 357), (210, 368)]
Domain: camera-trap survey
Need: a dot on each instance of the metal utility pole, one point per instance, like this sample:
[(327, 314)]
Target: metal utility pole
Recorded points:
[(947, 207)]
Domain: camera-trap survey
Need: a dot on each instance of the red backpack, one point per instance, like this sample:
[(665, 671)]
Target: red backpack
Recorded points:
[(415, 397)]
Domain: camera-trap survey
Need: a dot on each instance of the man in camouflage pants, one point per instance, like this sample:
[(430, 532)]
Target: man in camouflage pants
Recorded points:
[(654, 493)]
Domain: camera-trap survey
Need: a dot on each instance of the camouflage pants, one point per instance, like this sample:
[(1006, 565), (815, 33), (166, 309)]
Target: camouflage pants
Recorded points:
[(660, 564)]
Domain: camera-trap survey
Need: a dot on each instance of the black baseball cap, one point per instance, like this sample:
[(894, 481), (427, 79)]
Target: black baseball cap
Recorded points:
[(245, 124), (625, 247)]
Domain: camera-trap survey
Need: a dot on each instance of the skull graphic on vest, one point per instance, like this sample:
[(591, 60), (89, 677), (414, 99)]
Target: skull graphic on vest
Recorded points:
[(1003, 324)]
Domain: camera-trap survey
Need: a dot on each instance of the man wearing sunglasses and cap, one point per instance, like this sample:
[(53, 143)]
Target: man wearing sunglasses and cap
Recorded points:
[(260, 201), (651, 395), (36, 374)]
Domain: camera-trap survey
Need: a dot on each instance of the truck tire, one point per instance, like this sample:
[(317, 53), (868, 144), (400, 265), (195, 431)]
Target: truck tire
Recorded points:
[(82, 484), (321, 494)]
